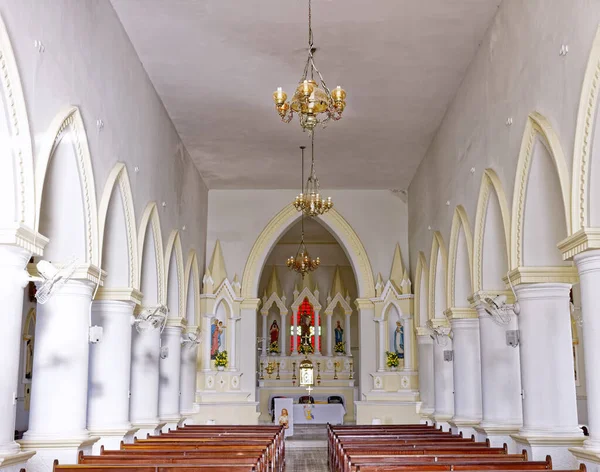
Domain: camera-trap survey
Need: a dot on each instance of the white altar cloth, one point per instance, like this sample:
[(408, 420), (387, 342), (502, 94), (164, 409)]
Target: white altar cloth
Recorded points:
[(319, 414)]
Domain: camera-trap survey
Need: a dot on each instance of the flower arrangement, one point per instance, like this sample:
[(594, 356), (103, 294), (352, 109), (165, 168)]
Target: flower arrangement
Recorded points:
[(306, 349), (274, 347), (392, 359), (221, 359), (340, 347)]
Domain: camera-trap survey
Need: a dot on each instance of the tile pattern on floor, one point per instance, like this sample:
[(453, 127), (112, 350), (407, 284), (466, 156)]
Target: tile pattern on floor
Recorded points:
[(306, 460)]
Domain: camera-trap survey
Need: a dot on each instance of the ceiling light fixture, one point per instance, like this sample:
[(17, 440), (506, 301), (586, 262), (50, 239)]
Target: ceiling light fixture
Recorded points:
[(310, 101), (302, 262), (309, 201)]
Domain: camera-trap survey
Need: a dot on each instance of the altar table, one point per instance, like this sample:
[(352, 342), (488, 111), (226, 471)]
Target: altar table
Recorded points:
[(319, 414)]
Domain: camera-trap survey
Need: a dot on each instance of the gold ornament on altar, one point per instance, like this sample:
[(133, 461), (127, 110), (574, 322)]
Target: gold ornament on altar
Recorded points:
[(306, 373), (270, 368), (312, 103), (310, 201)]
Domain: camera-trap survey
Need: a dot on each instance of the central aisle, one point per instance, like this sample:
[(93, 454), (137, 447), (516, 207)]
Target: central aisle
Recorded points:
[(307, 449)]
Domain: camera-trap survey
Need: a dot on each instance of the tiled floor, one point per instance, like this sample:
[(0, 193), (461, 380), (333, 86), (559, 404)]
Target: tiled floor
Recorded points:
[(306, 451)]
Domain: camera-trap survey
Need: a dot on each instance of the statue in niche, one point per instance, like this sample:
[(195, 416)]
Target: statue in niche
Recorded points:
[(216, 330), (339, 333), (305, 328), (399, 340), (274, 332)]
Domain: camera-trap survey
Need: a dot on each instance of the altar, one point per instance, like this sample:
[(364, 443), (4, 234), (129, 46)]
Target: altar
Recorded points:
[(319, 414)]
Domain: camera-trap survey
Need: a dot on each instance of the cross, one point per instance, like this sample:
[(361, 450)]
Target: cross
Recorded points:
[(309, 389)]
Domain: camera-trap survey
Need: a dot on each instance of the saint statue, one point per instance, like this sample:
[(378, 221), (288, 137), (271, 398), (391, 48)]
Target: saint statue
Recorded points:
[(399, 340), (215, 339), (339, 333), (305, 328), (274, 331)]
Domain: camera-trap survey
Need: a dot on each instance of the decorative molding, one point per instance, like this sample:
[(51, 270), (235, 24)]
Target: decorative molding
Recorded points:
[(437, 245), (460, 220), (87, 272), (306, 293), (19, 144), (174, 243), (584, 239), (456, 313), (364, 304), (274, 299), (250, 304), (478, 297), (128, 294), (150, 215), (348, 238), (533, 275), (338, 299), (23, 237), (584, 137), (423, 331), (489, 181), (119, 175), (421, 274), (192, 270), (70, 121), (536, 126)]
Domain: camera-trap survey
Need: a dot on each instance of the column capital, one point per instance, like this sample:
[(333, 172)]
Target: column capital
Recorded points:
[(585, 239), (21, 236), (478, 297), (587, 261), (543, 291), (250, 304), (364, 304), (534, 275), (125, 294), (192, 329), (460, 313), (423, 331), (176, 323), (84, 272), (438, 323)]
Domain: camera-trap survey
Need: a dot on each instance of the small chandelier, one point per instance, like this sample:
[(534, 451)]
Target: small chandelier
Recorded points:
[(310, 201), (313, 104)]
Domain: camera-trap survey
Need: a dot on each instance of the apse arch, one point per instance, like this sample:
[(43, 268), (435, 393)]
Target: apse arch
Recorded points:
[(421, 290), (460, 262), (192, 289), (490, 191), (119, 176), (151, 222), (334, 223), (68, 126), (437, 293), (17, 194), (585, 131), (174, 248), (538, 139)]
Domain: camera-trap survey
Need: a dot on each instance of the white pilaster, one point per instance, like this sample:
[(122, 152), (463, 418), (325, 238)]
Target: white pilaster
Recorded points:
[(549, 399), (381, 345), (409, 363), (317, 334), (347, 337), (443, 384), (13, 279), (426, 378), (467, 373), (189, 353), (232, 345), (206, 341), (329, 334), (283, 334), (295, 336), (170, 375), (109, 373), (265, 335)]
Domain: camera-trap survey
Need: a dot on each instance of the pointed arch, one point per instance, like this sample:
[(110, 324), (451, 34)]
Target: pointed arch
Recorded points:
[(437, 248), (17, 194), (174, 244), (584, 134), (337, 226), (69, 122), (536, 126), (192, 271), (489, 182), (150, 216), (421, 277), (460, 221), (119, 175)]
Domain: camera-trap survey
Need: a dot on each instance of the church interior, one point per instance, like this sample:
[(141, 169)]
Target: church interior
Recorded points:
[(204, 246)]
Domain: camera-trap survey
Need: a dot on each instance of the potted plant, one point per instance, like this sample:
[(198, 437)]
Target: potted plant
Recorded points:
[(274, 348), (392, 360), (221, 360), (306, 349), (340, 348)]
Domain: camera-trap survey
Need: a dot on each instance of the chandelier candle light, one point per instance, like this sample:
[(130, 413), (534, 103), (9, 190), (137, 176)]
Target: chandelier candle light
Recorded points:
[(312, 103), (309, 201)]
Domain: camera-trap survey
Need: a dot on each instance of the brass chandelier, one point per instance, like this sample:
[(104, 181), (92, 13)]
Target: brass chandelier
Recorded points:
[(302, 262), (312, 103), (310, 201)]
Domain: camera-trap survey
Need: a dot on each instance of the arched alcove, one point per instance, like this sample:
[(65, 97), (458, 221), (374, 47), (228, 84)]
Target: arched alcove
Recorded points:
[(192, 289), (460, 262), (492, 235), (396, 332), (151, 258), (218, 327), (421, 290), (437, 277), (175, 276)]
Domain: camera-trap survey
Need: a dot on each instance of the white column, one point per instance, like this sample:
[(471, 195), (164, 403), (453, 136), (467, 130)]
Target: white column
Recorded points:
[(329, 334), (143, 405), (265, 334), (444, 382), (187, 382), (409, 363), (13, 278), (283, 334), (170, 375), (426, 379), (500, 376), (232, 344), (110, 371), (317, 335), (381, 345), (467, 372), (549, 399), (60, 365), (588, 265), (295, 336), (347, 337), (206, 341)]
